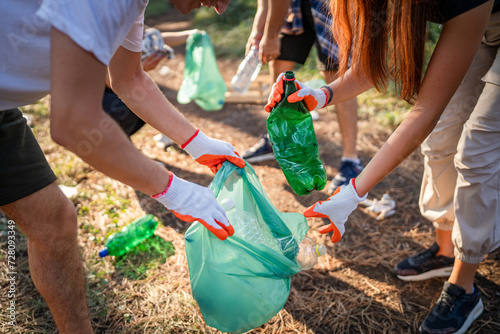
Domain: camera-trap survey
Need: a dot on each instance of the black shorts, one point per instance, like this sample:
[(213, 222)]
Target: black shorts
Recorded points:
[(296, 48), (23, 167), (114, 107)]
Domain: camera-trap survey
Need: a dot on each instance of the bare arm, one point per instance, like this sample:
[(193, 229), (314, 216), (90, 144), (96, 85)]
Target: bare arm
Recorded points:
[(349, 86), (452, 57), (270, 44), (259, 23), (174, 38), (79, 123), (140, 94)]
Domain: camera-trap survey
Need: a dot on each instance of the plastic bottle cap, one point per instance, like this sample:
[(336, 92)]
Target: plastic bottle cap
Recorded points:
[(103, 252), (227, 204), (320, 249)]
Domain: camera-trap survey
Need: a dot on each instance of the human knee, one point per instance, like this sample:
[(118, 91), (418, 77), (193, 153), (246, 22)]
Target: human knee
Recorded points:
[(58, 225), (435, 147)]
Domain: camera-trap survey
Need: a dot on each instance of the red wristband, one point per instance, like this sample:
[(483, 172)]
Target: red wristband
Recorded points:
[(190, 139), (166, 189), (326, 99), (354, 185)]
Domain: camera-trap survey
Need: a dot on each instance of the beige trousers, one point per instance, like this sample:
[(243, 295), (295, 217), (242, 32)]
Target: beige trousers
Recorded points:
[(461, 182)]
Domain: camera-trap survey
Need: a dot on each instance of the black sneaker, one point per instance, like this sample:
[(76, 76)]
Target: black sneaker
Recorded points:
[(424, 265), (454, 311), (348, 170), (261, 151)]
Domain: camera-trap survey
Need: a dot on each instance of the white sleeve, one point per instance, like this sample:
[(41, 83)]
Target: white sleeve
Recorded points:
[(133, 40), (96, 26)]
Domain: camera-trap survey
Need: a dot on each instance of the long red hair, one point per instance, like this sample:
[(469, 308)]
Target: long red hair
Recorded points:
[(386, 40)]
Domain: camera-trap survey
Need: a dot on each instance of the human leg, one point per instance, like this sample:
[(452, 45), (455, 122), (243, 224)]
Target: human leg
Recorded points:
[(29, 196), (262, 150), (440, 176), (49, 221), (294, 49), (347, 114), (347, 117), (476, 231)]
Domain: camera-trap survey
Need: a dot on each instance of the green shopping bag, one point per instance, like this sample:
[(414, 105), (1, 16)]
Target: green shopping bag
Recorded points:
[(202, 81), (238, 285)]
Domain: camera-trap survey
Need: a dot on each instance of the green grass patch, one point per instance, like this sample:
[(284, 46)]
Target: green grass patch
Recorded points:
[(144, 257), (229, 32), (157, 7)]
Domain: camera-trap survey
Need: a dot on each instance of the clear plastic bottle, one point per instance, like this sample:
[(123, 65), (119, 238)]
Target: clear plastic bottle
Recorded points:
[(246, 225), (309, 252), (247, 71)]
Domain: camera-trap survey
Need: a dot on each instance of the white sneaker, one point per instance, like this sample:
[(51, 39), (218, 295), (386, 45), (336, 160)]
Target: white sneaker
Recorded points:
[(163, 141)]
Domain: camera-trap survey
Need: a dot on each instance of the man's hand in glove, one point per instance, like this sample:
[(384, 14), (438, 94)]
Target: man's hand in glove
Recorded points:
[(211, 152), (190, 202)]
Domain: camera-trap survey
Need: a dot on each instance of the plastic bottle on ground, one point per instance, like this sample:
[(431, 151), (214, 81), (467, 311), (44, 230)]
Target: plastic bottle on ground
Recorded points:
[(246, 225), (130, 236), (294, 142), (309, 252), (247, 71)]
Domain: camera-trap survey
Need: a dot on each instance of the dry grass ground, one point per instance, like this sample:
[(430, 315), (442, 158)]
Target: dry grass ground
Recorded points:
[(351, 289)]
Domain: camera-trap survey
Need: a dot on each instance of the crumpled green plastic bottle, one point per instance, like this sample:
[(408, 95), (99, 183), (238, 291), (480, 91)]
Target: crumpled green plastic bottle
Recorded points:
[(122, 242), (295, 147)]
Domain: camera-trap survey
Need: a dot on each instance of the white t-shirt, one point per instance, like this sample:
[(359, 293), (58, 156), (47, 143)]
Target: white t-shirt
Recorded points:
[(98, 26)]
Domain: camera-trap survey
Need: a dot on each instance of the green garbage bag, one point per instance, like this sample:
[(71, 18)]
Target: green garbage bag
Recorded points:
[(238, 285), (202, 81)]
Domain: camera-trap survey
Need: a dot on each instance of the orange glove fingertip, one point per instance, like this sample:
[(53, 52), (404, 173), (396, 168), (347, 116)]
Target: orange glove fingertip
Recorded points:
[(325, 229), (309, 212), (230, 230), (220, 233), (237, 161), (292, 98), (336, 236)]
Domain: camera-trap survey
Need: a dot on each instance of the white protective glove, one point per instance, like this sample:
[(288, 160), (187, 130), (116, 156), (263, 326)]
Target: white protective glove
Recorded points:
[(313, 99), (211, 152), (191, 202), (337, 208)]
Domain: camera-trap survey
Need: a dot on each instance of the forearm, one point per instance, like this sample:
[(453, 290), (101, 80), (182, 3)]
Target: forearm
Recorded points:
[(403, 141), (276, 14), (349, 86), (79, 123), (259, 21), (174, 38), (143, 96), (98, 140), (452, 57), (138, 91)]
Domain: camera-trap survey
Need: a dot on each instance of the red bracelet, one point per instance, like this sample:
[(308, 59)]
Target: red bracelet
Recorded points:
[(166, 189), (326, 99), (329, 99), (190, 139)]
